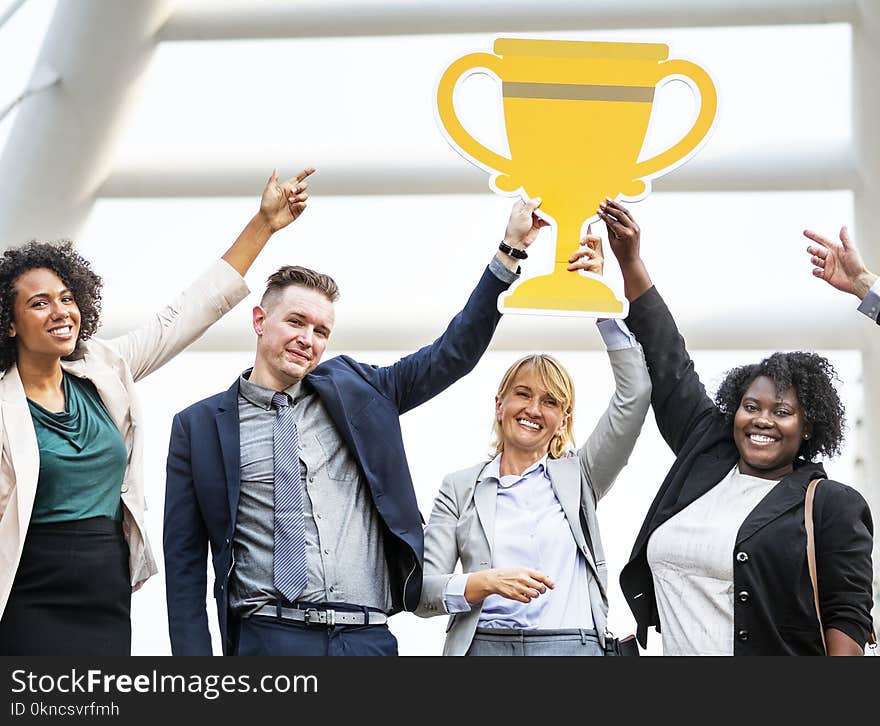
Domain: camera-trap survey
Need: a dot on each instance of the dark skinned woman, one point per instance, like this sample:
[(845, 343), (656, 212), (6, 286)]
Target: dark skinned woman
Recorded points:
[(72, 532), (720, 563)]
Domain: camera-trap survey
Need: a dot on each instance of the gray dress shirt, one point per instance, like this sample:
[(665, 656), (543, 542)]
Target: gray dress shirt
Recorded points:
[(344, 545)]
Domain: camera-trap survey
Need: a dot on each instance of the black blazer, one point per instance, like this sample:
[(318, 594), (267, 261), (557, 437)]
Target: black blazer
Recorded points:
[(773, 608), (365, 403)]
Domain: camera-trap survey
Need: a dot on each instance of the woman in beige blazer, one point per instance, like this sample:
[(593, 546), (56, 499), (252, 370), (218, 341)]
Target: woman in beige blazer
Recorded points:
[(72, 537), (523, 525)]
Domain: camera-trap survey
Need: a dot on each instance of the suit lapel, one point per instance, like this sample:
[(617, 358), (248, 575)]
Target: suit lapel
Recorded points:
[(21, 441), (484, 502), (327, 390), (786, 495), (229, 435), (565, 478)]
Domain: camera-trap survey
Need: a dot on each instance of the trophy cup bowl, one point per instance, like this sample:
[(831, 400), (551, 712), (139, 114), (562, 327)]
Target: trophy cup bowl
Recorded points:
[(576, 115)]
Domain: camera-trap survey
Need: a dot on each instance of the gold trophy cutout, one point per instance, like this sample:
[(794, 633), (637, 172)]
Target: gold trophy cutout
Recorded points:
[(576, 115)]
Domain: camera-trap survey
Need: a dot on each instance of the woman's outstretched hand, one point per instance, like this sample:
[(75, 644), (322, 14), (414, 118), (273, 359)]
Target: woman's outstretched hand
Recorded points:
[(514, 583), (283, 202), (624, 234), (624, 238), (589, 255)]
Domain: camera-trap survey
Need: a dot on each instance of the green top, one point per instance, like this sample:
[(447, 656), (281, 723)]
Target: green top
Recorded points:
[(82, 458)]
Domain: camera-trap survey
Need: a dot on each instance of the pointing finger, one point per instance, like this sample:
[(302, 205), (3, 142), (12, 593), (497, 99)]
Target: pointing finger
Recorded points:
[(818, 238), (308, 171)]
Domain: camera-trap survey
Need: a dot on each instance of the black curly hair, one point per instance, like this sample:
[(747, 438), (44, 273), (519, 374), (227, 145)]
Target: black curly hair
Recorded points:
[(812, 378), (73, 269)]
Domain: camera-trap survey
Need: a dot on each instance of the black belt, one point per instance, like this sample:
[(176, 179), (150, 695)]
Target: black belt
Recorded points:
[(322, 616)]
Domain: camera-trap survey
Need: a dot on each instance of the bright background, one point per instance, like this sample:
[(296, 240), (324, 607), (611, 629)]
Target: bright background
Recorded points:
[(406, 264)]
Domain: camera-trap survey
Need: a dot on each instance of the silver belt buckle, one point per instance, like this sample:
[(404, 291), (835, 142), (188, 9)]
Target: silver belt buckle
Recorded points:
[(312, 615), (323, 617)]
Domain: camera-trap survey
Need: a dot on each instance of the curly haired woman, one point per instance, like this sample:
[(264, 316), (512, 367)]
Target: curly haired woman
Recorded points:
[(720, 563), (72, 536)]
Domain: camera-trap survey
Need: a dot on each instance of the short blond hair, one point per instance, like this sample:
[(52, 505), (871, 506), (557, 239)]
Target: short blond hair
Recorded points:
[(294, 275), (558, 383)]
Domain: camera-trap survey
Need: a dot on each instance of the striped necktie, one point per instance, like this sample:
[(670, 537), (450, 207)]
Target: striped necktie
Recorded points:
[(290, 571)]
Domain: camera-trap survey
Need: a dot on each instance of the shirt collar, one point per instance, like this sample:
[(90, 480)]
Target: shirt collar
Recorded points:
[(261, 396), (493, 469)]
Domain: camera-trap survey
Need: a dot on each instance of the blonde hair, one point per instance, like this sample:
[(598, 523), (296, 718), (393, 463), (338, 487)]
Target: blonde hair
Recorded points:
[(558, 383)]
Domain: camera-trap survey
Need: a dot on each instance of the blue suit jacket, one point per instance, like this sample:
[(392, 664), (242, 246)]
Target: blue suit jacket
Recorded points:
[(364, 402)]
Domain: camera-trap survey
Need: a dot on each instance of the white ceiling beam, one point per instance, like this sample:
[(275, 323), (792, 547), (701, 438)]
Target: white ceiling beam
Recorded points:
[(814, 327), (830, 167), (60, 149), (239, 19), (10, 10)]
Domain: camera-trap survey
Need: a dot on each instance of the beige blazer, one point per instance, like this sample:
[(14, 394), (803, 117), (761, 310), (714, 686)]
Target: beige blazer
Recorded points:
[(113, 366), (462, 523)]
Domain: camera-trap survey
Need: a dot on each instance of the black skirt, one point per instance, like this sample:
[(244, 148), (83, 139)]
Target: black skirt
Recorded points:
[(71, 594)]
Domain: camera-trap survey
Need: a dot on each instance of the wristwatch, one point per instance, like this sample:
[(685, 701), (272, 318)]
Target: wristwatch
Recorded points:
[(512, 251)]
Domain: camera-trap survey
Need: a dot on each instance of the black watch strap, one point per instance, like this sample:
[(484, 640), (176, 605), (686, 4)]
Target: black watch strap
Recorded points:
[(512, 251)]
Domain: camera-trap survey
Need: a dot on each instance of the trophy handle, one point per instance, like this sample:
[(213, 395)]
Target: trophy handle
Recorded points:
[(467, 143), (708, 107)]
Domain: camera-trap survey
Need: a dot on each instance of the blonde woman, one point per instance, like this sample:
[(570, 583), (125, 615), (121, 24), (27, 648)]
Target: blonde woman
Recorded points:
[(523, 525)]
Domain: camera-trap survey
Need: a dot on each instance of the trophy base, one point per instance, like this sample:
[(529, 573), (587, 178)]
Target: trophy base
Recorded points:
[(564, 292)]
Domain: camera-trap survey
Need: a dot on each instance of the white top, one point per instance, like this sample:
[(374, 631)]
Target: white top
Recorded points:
[(691, 561)]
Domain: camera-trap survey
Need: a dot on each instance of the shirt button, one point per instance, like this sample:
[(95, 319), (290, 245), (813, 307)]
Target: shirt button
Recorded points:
[(124, 488), (742, 557), (311, 477), (317, 516), (743, 635), (331, 588), (744, 596), (327, 552)]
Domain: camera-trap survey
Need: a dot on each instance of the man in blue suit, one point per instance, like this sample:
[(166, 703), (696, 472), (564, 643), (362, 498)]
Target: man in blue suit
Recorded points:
[(298, 479)]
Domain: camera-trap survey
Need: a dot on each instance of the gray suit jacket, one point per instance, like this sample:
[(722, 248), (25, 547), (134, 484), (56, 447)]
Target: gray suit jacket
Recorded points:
[(462, 523)]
